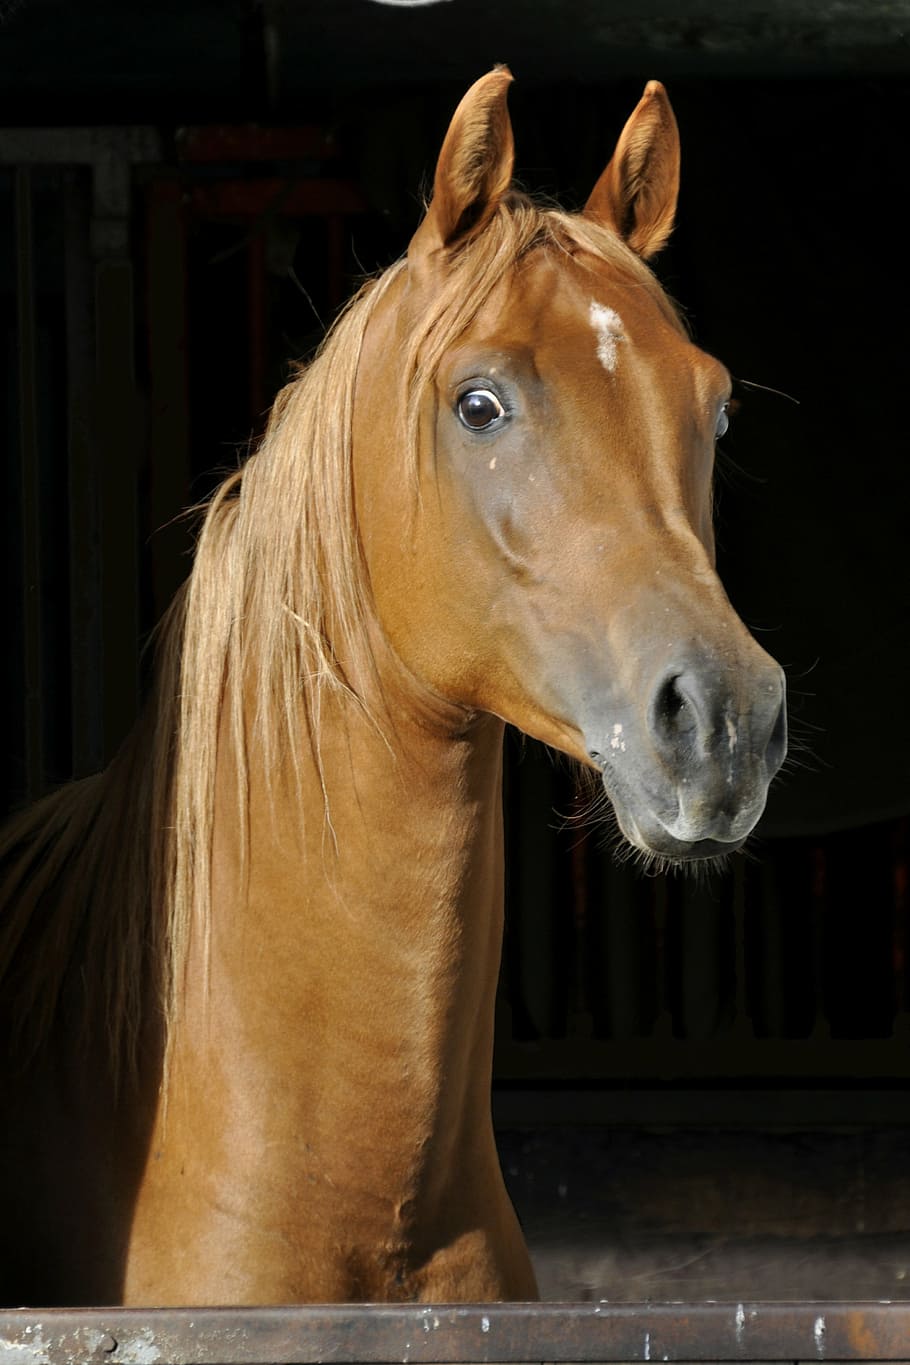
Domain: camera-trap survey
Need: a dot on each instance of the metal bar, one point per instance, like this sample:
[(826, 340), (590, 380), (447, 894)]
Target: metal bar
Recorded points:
[(102, 439), (821, 1030), (118, 425), (86, 649), (742, 1025), (557, 1333), (901, 881), (30, 510), (169, 412)]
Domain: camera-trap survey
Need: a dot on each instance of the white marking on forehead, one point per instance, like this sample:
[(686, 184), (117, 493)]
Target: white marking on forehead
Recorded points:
[(608, 325)]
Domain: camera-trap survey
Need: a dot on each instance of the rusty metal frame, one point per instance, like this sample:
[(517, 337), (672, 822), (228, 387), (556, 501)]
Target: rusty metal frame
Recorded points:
[(583, 1333)]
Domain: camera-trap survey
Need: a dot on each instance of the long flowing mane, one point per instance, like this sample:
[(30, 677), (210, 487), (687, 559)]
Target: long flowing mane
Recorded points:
[(102, 883)]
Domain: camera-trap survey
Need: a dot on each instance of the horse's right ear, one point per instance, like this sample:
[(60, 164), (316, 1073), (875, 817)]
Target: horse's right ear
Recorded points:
[(636, 195), (474, 170)]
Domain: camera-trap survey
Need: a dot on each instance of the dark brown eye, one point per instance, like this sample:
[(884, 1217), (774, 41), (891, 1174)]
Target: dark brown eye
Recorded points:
[(478, 409)]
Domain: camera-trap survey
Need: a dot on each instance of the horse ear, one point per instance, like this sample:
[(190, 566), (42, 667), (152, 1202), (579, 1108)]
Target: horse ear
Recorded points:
[(474, 170), (636, 195)]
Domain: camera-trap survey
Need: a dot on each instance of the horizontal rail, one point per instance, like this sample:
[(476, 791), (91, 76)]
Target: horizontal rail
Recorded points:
[(427, 1335)]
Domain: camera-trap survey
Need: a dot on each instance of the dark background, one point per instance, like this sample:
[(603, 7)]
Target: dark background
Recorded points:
[(187, 193)]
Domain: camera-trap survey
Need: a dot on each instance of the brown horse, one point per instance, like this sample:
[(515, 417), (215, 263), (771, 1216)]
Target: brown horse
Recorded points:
[(249, 971)]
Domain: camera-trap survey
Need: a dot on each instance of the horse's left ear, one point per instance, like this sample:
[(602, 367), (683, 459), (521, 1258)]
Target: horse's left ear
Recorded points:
[(474, 170), (636, 195)]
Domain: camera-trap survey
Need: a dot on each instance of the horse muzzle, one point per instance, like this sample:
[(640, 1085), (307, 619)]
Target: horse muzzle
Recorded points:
[(689, 766)]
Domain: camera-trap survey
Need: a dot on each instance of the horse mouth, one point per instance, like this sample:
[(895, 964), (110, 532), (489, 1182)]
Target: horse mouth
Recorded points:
[(660, 844), (677, 841)]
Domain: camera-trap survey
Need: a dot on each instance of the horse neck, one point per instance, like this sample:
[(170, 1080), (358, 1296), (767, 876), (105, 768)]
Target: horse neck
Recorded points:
[(355, 947)]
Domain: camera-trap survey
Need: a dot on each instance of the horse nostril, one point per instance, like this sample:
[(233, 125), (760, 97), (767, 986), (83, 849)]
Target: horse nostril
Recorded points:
[(776, 751), (672, 699), (692, 714), (671, 715)]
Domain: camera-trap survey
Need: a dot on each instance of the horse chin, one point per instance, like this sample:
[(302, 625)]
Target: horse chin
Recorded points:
[(662, 849), (659, 845)]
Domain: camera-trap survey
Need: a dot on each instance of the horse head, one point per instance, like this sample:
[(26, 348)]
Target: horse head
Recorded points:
[(534, 437)]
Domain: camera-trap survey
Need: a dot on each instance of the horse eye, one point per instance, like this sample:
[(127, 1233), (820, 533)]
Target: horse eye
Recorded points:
[(723, 422), (479, 409)]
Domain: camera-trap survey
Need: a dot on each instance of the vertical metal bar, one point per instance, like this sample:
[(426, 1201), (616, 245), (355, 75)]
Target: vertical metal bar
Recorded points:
[(664, 965), (580, 907), (30, 484), (85, 548), (818, 877), (117, 426), (704, 944), (169, 457), (621, 953), (537, 946), (901, 882), (741, 1023)]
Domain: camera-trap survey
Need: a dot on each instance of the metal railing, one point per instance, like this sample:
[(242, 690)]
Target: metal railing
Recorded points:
[(558, 1333)]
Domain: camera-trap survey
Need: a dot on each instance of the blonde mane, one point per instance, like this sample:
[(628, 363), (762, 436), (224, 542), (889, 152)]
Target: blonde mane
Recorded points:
[(103, 883)]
